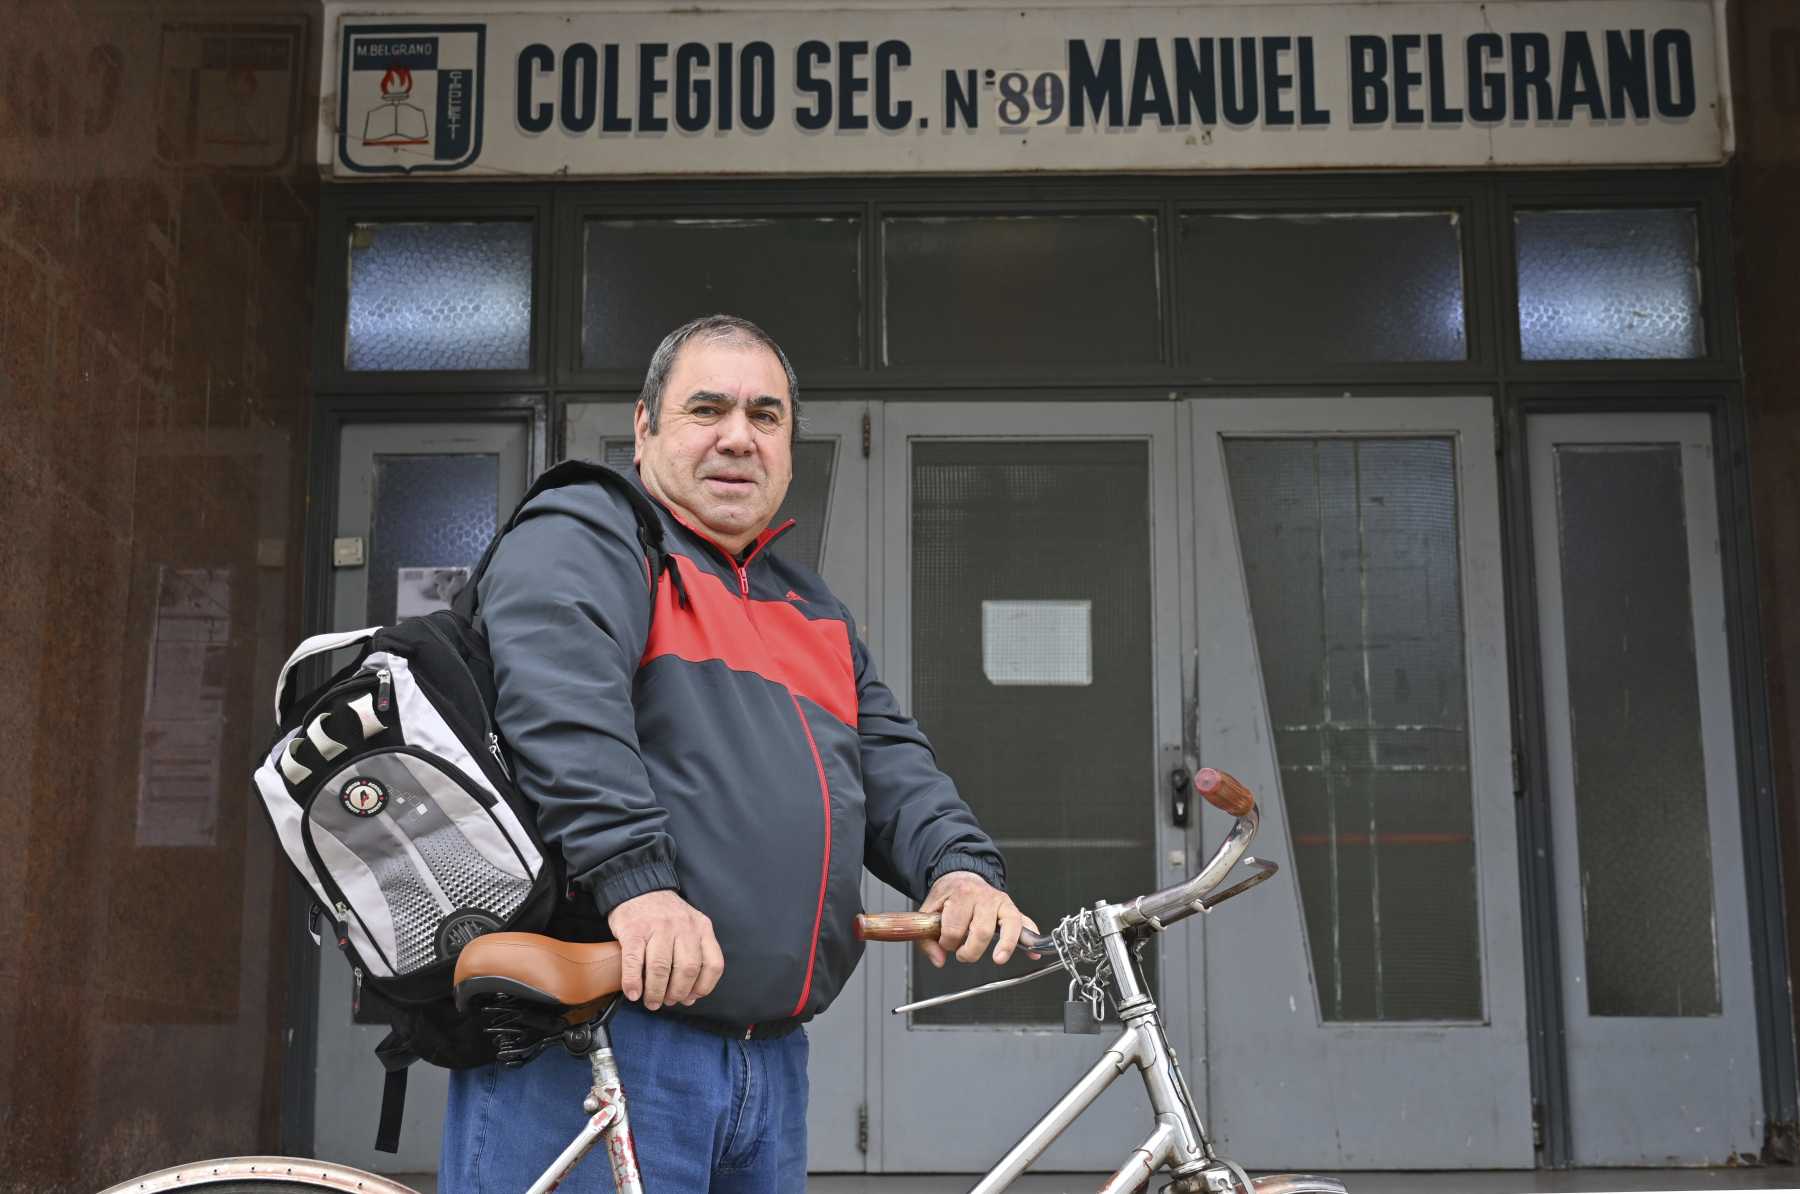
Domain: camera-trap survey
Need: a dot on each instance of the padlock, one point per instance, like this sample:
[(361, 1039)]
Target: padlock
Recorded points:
[(1078, 1017)]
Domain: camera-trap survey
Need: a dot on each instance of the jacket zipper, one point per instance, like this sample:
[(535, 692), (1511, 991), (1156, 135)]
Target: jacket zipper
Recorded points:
[(743, 569), (812, 953)]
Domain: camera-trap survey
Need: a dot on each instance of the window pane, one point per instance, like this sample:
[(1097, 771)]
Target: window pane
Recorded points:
[(1609, 285), (440, 296), (1019, 290), (798, 278), (1634, 722), (1058, 772), (1289, 290), (431, 511), (1350, 555)]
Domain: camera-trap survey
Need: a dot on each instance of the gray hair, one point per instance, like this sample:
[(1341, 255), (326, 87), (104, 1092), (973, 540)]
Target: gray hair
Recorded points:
[(713, 329)]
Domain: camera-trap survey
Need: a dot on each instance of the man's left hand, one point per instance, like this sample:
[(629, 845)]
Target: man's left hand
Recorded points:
[(974, 914)]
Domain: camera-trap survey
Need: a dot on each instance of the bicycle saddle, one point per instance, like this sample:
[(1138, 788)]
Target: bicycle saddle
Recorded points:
[(567, 975)]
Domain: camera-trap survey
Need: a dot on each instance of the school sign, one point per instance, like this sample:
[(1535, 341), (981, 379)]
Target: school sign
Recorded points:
[(917, 90)]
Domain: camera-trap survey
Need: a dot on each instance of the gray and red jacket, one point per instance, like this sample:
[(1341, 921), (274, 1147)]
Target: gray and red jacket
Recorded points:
[(733, 743)]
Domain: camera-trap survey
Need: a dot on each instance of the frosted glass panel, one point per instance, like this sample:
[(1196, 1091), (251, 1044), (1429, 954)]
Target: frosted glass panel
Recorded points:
[(1350, 552), (1061, 774), (799, 278), (431, 511), (1005, 290), (1609, 285), (440, 296), (1286, 290), (1634, 722)]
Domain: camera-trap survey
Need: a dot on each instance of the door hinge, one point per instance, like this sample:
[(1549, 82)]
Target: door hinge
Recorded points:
[(1518, 772), (868, 434), (1537, 1124), (862, 1117)]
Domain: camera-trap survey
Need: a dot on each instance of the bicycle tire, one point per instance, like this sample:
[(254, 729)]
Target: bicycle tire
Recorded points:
[(1296, 1183), (261, 1175)]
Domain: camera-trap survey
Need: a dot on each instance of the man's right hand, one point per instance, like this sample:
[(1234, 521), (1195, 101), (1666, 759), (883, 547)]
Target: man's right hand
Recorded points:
[(669, 952)]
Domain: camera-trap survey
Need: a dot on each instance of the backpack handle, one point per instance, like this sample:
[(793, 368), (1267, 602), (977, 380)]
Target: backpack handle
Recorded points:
[(315, 645)]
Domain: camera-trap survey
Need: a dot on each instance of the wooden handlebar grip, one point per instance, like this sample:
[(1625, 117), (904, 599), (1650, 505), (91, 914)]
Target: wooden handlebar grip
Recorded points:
[(1222, 791), (899, 926)]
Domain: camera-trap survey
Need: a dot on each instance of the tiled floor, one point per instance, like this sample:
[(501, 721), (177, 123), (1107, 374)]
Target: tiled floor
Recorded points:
[(1543, 1181), (1567, 1181)]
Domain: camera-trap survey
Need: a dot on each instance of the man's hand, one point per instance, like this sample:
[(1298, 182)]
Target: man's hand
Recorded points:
[(974, 914), (669, 952)]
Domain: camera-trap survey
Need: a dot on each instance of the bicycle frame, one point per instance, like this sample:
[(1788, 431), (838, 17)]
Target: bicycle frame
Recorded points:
[(608, 1121), (1179, 1144), (1096, 947)]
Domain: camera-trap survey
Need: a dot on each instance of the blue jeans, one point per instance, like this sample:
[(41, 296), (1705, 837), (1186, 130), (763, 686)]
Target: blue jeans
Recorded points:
[(710, 1114)]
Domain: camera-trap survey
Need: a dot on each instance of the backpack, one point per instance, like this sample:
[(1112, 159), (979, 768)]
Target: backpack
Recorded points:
[(389, 791)]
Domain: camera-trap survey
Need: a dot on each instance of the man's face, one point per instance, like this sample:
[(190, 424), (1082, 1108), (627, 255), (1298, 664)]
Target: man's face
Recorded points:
[(722, 454)]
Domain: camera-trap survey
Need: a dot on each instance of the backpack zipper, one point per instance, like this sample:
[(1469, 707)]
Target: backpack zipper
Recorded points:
[(356, 977), (493, 743), (493, 738), (384, 687)]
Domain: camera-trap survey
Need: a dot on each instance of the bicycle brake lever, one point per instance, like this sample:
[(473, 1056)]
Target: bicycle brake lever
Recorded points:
[(1002, 984)]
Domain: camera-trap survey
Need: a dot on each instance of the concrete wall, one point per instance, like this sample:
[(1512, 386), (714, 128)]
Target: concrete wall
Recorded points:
[(157, 243), (1765, 36)]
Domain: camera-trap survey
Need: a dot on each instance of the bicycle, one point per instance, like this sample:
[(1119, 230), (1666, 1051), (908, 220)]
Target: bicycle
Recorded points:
[(536, 993)]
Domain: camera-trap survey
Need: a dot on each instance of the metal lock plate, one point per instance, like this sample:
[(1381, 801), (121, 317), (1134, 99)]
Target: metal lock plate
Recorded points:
[(347, 552), (1078, 1017)]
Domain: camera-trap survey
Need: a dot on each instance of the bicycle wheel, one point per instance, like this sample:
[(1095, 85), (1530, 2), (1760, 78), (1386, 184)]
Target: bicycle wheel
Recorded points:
[(260, 1175)]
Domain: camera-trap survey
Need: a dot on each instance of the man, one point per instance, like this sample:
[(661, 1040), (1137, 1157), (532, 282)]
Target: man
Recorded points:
[(716, 759)]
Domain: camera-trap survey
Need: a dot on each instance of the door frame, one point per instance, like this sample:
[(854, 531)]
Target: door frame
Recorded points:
[(844, 420), (1486, 199), (1610, 1036), (894, 419), (1469, 419), (1757, 802), (330, 415)]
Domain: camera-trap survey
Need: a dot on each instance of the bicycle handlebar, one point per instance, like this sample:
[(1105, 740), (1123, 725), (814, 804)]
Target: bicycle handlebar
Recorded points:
[(1220, 789)]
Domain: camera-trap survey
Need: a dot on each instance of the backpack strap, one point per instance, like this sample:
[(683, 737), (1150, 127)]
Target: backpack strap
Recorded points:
[(576, 472), (397, 1060)]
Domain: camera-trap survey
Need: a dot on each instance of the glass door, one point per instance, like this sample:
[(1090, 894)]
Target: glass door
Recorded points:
[(1658, 1012), (1031, 623), (416, 506), (828, 501), (1368, 1003)]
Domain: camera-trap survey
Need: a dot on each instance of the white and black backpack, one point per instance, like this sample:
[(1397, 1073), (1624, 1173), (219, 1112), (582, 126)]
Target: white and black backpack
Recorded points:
[(389, 791)]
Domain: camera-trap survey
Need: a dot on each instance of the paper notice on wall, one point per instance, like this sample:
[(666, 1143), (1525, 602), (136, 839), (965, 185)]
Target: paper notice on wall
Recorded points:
[(184, 708), (422, 590), (1037, 642)]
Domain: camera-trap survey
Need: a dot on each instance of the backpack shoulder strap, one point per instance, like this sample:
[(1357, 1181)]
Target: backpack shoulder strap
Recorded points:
[(576, 472)]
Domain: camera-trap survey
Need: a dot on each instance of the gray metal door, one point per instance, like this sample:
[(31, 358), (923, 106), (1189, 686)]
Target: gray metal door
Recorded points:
[(829, 503), (417, 503), (1365, 1009), (1657, 1004), (1030, 621)]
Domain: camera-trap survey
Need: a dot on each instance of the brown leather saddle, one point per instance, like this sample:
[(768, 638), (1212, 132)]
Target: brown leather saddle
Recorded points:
[(571, 980)]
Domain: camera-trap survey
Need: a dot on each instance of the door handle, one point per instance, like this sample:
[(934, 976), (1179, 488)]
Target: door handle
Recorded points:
[(1181, 796)]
